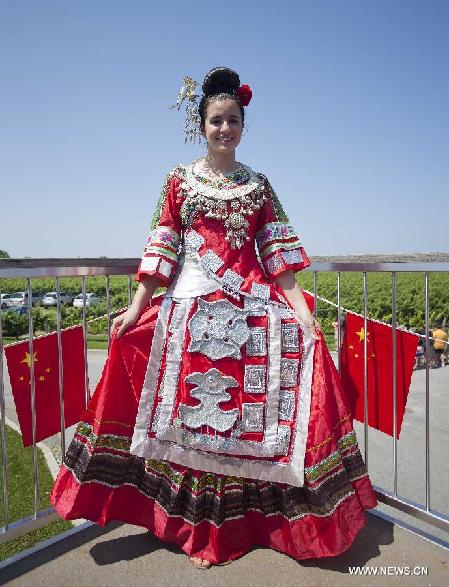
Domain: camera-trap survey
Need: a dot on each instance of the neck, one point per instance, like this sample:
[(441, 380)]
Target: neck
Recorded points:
[(222, 162)]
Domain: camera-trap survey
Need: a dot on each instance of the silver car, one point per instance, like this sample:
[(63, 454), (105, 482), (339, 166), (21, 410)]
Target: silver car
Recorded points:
[(91, 300), (50, 299), (20, 298)]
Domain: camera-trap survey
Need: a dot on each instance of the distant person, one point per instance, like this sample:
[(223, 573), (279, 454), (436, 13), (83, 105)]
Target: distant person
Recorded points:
[(342, 330), (439, 343)]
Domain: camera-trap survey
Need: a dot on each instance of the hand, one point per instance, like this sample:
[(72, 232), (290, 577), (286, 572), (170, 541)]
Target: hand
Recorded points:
[(122, 322), (313, 327)]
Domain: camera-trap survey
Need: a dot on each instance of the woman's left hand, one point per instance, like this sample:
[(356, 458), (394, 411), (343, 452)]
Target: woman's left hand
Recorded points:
[(313, 327)]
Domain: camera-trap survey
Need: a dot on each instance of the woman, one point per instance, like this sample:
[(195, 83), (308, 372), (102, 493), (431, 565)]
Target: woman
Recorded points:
[(219, 421)]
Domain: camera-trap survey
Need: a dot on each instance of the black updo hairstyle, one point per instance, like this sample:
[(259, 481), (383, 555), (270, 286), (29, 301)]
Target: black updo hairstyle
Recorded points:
[(220, 82)]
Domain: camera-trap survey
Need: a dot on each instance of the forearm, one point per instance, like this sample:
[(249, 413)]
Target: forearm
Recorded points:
[(144, 293), (287, 283)]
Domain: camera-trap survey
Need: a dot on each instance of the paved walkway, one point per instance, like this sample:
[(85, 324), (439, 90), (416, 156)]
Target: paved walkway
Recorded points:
[(123, 555)]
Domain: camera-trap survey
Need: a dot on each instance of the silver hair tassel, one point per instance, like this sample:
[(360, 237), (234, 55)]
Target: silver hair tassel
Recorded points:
[(192, 123)]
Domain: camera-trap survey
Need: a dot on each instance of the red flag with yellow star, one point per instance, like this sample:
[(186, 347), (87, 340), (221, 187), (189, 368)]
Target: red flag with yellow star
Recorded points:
[(380, 371), (46, 377)]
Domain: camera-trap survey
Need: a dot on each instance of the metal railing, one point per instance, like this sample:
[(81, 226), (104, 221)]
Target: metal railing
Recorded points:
[(84, 268)]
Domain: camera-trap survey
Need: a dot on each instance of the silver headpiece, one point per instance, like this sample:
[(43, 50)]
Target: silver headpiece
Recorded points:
[(193, 120)]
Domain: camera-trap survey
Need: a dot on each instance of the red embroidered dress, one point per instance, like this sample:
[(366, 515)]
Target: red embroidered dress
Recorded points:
[(219, 423)]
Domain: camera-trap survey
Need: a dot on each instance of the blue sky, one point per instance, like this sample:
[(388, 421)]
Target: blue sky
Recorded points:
[(349, 117)]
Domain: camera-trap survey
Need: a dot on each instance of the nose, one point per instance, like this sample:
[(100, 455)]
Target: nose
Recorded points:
[(224, 126)]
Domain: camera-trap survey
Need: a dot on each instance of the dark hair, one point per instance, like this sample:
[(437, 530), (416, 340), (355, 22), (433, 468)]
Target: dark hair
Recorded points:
[(219, 83)]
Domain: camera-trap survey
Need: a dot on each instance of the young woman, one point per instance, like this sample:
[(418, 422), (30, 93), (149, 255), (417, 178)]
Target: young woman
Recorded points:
[(220, 422)]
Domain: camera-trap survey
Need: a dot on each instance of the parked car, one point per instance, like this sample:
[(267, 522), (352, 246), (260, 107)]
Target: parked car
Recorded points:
[(50, 299), (20, 298), (5, 301), (91, 300)]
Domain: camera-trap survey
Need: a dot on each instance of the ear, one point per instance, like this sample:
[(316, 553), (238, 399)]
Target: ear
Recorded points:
[(203, 130)]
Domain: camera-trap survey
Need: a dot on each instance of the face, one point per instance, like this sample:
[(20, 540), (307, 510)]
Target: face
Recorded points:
[(223, 126)]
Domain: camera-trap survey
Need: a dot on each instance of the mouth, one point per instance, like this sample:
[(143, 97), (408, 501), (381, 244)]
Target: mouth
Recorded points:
[(225, 140)]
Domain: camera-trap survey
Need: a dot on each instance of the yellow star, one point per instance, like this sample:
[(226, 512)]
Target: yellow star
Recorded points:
[(373, 355), (47, 370), (27, 359), (361, 334), (356, 355), (41, 378), (351, 346), (21, 378)]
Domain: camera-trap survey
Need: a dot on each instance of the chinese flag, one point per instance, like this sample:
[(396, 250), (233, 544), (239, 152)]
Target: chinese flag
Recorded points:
[(46, 376), (380, 371)]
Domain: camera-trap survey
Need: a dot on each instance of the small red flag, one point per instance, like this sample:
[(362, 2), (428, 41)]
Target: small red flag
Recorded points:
[(46, 376), (380, 371)]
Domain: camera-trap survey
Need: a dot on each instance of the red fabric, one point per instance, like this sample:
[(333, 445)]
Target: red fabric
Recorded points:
[(46, 375), (308, 537), (113, 409), (380, 371)]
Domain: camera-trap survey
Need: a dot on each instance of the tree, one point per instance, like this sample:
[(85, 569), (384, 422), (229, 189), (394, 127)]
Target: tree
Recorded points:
[(4, 255)]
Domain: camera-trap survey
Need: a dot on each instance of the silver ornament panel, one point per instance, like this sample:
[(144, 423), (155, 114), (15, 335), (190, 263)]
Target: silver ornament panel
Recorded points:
[(211, 391), (252, 417), (292, 257), (156, 417), (255, 306), (193, 241), (210, 261), (165, 268), (286, 404), (255, 376), (218, 329), (260, 290), (289, 372), (290, 338), (274, 263), (232, 280), (283, 440), (286, 313), (256, 345)]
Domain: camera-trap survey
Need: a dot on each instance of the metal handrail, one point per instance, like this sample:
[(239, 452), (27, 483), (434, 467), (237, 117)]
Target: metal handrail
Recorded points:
[(89, 267)]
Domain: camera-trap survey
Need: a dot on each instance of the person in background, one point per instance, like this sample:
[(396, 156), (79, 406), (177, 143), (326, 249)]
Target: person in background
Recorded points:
[(439, 344)]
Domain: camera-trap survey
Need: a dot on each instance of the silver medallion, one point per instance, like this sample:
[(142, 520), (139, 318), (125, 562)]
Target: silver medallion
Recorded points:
[(218, 329)]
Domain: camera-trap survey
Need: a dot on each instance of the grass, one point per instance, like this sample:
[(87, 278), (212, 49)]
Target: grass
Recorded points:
[(21, 494)]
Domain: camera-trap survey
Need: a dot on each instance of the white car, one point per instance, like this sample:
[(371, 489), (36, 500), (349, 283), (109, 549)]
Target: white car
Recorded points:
[(50, 299), (91, 300), (5, 301), (20, 298)]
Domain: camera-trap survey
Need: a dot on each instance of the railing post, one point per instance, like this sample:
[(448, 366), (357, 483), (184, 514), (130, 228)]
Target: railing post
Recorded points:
[(395, 443), (60, 365), (427, 327), (3, 432), (33, 394), (365, 364)]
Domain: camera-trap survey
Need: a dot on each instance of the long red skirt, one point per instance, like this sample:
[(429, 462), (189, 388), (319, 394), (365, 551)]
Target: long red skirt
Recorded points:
[(212, 516)]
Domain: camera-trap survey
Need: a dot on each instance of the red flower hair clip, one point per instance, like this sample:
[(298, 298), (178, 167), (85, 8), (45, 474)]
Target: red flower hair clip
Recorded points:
[(245, 94)]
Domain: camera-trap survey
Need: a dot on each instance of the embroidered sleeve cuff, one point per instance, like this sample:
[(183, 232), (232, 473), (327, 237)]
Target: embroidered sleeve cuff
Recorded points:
[(160, 256), (285, 260), (280, 249)]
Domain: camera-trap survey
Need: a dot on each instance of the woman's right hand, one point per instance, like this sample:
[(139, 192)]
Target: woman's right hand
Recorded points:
[(122, 322)]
